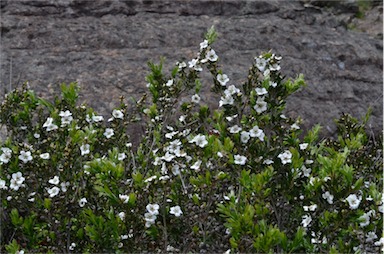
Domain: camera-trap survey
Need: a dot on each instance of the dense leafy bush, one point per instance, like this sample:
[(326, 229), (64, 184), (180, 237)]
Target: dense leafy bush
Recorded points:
[(242, 177)]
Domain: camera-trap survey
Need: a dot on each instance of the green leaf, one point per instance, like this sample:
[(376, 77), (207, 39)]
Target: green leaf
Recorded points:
[(13, 247), (15, 218), (211, 35)]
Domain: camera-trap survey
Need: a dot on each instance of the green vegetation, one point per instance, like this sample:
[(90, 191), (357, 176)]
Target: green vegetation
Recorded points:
[(240, 178)]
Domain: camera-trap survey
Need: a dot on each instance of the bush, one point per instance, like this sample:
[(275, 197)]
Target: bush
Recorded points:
[(239, 178)]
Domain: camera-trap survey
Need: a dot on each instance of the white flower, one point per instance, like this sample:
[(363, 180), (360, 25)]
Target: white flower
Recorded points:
[(171, 134), (308, 161), (195, 98), (6, 155), (181, 65), (84, 149), (121, 156), (18, 178), (108, 133), (268, 162), (274, 67), (172, 249), (124, 237), (203, 44), (168, 157), (64, 186), (175, 170), (66, 117), (380, 242), (45, 156), (261, 91), (230, 118), (303, 146), (199, 140), (194, 64), (150, 219), (370, 237), (117, 113), (153, 209), (261, 63), (244, 137), (234, 129), (55, 180), (260, 105), (267, 73), (326, 195), (72, 246), (49, 124), (196, 166), (273, 84), (285, 157), (3, 185), (82, 202), (256, 132), (295, 127), (53, 191), (364, 219), (121, 215), (14, 185), (306, 171), (226, 100), (310, 208), (124, 198), (169, 83), (307, 219), (240, 160), (211, 56), (150, 179), (222, 78), (176, 210), (353, 201), (182, 118), (231, 90), (97, 118), (25, 156)]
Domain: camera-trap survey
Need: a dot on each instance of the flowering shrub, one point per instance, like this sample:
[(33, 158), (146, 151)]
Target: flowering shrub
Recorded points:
[(239, 178)]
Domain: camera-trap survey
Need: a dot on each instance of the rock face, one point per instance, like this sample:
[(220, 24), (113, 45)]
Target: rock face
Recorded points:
[(105, 45)]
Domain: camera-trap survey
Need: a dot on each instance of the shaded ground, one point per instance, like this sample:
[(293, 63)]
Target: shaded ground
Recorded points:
[(105, 45)]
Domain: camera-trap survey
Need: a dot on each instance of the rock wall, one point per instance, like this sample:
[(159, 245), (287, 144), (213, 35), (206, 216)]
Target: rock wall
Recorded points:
[(105, 45)]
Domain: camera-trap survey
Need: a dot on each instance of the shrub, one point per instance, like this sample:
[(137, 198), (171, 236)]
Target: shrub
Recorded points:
[(242, 177)]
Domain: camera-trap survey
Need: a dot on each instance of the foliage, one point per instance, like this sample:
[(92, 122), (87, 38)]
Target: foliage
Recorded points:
[(239, 178)]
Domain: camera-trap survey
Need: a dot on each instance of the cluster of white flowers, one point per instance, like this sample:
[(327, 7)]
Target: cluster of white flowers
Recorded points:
[(267, 65), (151, 215), (66, 118), (255, 132), (54, 191), (93, 118), (17, 181), (6, 155), (285, 157)]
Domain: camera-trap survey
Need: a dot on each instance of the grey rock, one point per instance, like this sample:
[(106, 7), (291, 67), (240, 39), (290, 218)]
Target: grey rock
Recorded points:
[(105, 46)]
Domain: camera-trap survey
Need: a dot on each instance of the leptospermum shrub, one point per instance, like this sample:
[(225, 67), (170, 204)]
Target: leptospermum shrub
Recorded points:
[(239, 178)]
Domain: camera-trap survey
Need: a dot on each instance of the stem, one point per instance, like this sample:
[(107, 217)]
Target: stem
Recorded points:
[(165, 233)]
